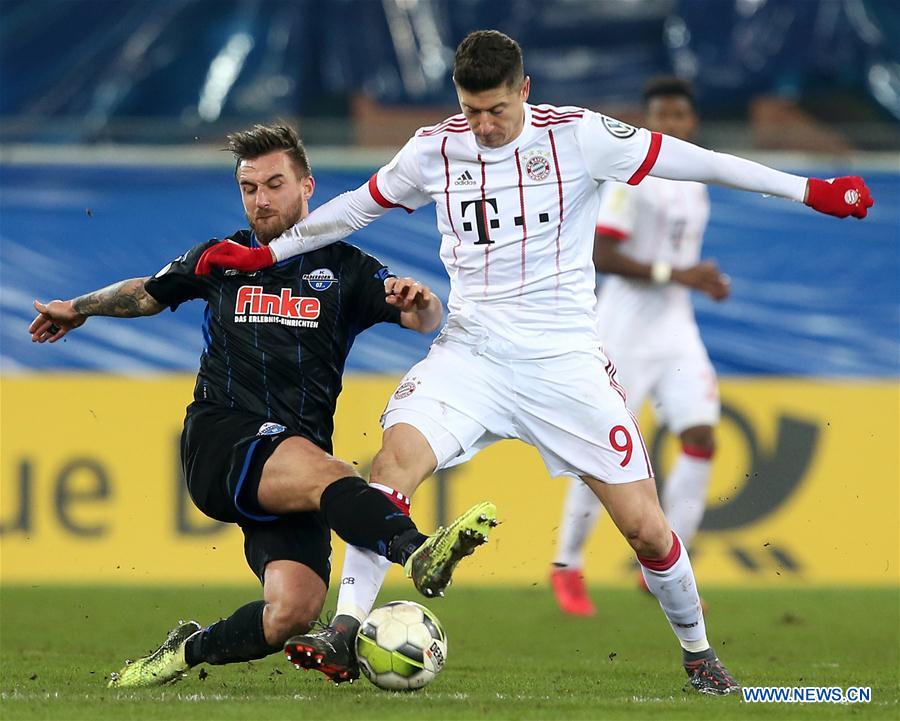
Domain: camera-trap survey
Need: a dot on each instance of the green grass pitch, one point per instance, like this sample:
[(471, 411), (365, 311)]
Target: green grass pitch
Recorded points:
[(511, 656)]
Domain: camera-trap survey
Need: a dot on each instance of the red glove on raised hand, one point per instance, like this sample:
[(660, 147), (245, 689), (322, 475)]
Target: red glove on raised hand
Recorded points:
[(839, 196), (229, 254)]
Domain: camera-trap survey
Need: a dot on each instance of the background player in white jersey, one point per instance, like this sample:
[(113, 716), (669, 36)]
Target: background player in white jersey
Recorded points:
[(648, 241), (515, 186)]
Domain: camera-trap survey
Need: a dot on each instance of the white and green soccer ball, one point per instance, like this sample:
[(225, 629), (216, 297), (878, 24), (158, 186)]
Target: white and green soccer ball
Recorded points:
[(401, 646)]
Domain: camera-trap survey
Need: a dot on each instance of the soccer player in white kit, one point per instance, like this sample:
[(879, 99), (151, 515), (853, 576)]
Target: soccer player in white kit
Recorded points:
[(648, 240), (515, 188)]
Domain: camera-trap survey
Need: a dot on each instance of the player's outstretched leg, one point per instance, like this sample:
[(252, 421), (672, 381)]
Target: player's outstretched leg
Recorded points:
[(332, 650), (431, 565), (671, 580), (166, 664), (666, 568)]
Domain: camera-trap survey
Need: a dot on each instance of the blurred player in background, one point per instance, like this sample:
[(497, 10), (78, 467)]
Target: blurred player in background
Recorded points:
[(515, 188), (256, 447), (648, 241)]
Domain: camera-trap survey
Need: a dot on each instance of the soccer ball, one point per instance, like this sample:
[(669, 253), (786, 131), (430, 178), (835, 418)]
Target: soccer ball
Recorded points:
[(401, 646)]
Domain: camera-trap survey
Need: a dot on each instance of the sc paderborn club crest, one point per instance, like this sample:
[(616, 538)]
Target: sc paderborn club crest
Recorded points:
[(320, 279)]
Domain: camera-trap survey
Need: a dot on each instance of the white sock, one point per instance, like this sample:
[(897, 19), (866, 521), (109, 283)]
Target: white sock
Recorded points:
[(671, 580), (684, 494), (581, 510), (361, 579), (363, 573)]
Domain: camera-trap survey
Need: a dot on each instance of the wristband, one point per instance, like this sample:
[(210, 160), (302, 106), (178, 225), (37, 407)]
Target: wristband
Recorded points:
[(661, 272)]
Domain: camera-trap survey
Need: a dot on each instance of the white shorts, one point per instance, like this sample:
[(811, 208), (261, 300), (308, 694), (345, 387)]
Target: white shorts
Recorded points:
[(568, 407), (683, 387)]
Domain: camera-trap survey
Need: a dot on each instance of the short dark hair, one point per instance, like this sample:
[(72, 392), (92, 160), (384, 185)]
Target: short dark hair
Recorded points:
[(668, 85), (487, 59), (263, 139)]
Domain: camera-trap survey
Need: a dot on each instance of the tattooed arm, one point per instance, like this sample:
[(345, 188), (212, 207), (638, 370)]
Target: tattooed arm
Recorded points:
[(126, 299)]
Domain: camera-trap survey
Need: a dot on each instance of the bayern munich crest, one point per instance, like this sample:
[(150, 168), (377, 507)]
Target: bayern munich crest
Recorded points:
[(404, 390), (537, 167)]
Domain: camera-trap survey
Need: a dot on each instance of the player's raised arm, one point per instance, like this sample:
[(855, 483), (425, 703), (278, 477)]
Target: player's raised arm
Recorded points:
[(336, 219), (125, 299), (679, 160), (614, 150), (174, 284)]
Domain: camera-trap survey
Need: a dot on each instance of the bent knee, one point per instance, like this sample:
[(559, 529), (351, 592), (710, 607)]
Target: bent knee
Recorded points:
[(334, 468), (328, 470), (396, 469), (650, 537), (288, 617), (405, 451), (386, 462)]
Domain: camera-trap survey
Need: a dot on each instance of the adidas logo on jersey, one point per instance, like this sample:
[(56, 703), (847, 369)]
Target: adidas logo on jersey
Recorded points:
[(465, 179)]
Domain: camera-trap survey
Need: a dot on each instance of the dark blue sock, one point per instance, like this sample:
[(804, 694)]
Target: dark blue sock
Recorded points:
[(240, 637), (363, 516)]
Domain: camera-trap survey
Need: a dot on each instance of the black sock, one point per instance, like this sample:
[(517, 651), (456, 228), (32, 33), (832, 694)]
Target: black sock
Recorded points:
[(363, 516), (402, 546), (239, 637)]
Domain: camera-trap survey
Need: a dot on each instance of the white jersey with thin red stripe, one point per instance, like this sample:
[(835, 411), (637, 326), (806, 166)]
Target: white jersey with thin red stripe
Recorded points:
[(517, 222), (659, 220)]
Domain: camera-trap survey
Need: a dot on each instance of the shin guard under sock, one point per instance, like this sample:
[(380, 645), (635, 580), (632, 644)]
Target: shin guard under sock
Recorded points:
[(364, 516), (240, 637)]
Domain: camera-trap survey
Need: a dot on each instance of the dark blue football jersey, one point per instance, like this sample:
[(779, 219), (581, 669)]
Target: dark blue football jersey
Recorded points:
[(275, 341)]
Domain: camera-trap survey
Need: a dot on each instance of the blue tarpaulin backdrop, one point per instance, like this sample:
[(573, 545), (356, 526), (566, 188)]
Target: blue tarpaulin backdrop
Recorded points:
[(194, 61)]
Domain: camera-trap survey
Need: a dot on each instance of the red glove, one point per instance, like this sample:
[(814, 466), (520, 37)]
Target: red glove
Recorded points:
[(229, 254), (839, 196)]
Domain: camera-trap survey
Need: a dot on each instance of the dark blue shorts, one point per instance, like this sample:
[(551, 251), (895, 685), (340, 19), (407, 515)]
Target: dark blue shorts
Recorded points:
[(223, 451)]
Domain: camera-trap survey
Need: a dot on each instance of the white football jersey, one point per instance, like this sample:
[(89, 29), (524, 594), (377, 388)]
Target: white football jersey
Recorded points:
[(660, 220), (517, 222)]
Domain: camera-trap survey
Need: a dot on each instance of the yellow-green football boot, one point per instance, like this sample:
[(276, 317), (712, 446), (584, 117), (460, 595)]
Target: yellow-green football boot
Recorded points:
[(165, 665), (431, 564)]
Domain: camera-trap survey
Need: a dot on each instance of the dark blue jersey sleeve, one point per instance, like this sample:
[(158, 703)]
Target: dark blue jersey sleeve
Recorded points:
[(176, 282), (369, 305)]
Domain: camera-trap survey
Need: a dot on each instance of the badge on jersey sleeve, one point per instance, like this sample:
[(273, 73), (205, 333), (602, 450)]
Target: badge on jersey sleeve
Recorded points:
[(617, 128)]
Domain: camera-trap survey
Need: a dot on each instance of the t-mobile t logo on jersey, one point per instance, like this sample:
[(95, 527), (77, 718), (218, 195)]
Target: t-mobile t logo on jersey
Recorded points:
[(254, 306), (484, 224)]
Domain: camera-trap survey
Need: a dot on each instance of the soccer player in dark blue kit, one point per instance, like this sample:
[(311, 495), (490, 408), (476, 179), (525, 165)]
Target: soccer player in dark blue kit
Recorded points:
[(256, 447)]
